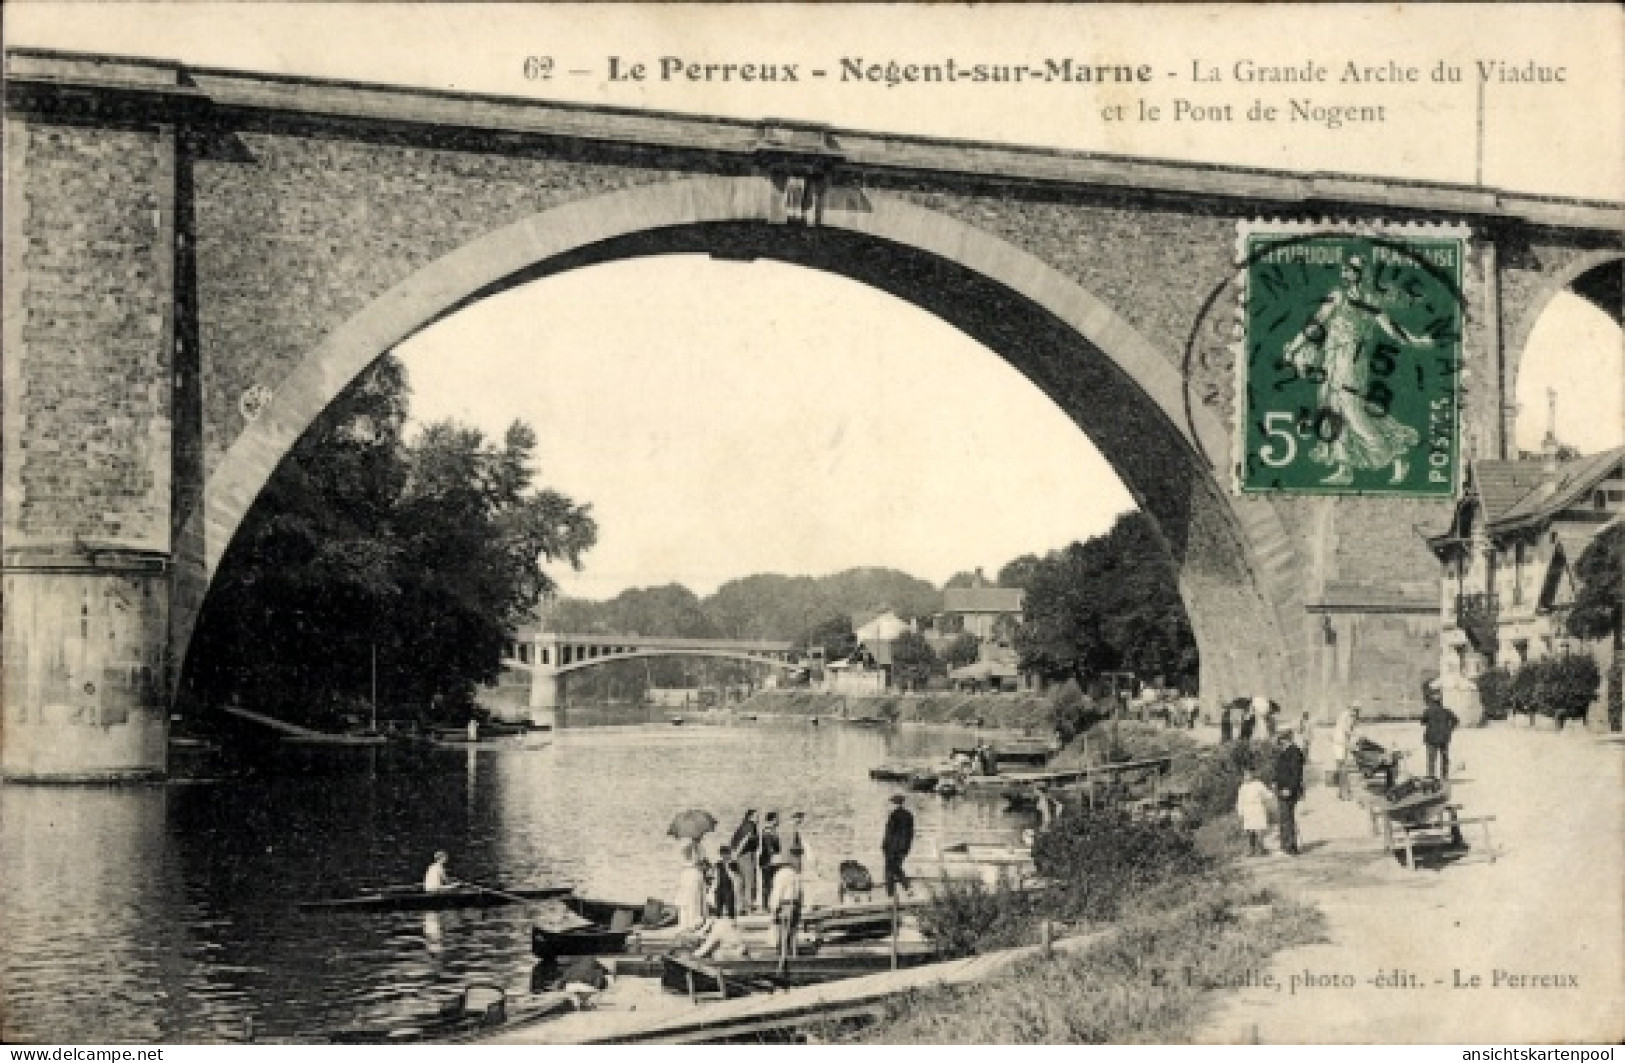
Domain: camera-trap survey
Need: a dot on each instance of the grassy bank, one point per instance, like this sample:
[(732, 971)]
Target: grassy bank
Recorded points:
[(1172, 916), (1014, 711), (1150, 978)]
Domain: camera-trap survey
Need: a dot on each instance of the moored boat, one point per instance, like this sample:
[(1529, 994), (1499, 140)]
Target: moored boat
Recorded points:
[(607, 928), (480, 1009), (737, 977), (923, 781), (417, 899), (590, 940), (652, 914)]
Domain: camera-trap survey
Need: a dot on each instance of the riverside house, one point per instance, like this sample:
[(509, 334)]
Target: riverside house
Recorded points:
[(1508, 560)]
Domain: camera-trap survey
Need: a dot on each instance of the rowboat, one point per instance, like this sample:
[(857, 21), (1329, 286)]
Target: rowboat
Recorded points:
[(417, 899), (605, 912), (589, 940), (738, 977), (892, 773), (479, 1009), (1034, 753), (609, 925)]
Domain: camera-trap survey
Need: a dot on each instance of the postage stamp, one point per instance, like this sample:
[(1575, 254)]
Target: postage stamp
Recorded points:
[(1348, 377)]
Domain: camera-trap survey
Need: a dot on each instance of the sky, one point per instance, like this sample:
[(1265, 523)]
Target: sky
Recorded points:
[(729, 418)]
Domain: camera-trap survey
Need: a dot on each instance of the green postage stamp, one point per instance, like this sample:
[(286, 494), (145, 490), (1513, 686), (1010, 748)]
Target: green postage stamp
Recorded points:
[(1349, 372)]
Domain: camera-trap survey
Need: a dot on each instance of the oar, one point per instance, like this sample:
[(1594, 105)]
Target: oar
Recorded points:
[(511, 897)]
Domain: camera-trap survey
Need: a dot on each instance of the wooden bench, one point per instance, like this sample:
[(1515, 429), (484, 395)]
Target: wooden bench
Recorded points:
[(1448, 821)]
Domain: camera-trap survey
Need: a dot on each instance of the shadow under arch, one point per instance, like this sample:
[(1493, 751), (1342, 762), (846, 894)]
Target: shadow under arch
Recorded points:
[(1237, 566)]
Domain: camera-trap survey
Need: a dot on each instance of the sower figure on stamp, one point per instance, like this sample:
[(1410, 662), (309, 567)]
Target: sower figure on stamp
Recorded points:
[(1289, 789), (1438, 724), (1338, 348)]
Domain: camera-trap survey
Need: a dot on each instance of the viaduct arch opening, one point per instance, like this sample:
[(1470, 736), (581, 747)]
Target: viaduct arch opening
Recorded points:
[(1546, 350), (1122, 393)]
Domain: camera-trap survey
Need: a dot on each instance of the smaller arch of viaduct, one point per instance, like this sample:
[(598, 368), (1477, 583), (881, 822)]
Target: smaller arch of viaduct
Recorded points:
[(1553, 284)]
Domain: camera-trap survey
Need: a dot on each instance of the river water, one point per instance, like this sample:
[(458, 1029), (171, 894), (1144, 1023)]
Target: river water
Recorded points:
[(169, 912)]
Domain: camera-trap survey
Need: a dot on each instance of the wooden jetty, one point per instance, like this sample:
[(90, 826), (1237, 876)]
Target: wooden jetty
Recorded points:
[(683, 1022), (1094, 773)]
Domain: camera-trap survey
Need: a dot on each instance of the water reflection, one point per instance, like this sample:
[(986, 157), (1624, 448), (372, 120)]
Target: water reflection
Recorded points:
[(171, 913)]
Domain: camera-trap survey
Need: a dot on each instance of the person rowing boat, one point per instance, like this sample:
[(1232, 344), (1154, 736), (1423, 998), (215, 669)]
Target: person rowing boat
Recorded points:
[(436, 878)]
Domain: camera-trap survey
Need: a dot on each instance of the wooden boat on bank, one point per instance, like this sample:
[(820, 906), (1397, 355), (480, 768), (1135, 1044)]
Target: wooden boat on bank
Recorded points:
[(480, 1009), (652, 914), (738, 977), (417, 899), (589, 940), (607, 928)]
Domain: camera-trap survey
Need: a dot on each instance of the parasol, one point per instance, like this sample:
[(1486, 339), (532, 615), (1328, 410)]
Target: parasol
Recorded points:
[(692, 824)]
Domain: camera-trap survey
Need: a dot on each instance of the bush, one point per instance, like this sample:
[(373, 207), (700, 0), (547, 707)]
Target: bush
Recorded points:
[(1560, 687), (1070, 711), (1215, 777), (1495, 693), (1100, 858), (966, 917)]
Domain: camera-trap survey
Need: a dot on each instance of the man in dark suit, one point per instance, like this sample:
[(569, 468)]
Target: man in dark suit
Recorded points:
[(895, 845), (1438, 724), (1289, 789)]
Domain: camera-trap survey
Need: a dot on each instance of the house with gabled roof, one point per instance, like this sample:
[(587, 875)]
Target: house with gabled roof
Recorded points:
[(982, 610), (1508, 559)]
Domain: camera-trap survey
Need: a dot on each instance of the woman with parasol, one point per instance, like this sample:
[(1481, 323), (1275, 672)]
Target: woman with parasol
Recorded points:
[(690, 827)]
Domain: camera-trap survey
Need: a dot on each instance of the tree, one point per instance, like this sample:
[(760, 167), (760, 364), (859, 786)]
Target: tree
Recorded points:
[(1596, 612), (288, 620), (1111, 603), (1018, 572), (961, 579), (429, 553), (473, 537), (913, 662), (966, 649), (834, 636)]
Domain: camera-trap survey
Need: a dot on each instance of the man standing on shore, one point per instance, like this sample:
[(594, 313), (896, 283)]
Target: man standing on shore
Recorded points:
[(745, 844), (1289, 789), (771, 844), (1438, 724), (895, 845)]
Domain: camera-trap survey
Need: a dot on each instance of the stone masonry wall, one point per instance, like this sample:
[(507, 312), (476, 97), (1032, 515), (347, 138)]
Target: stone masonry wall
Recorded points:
[(87, 400), (296, 234)]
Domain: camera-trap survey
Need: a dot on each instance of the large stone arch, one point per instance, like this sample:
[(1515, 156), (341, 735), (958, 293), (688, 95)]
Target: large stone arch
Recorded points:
[(1238, 568)]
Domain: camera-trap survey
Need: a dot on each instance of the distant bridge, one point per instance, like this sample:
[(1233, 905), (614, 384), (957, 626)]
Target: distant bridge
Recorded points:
[(550, 656)]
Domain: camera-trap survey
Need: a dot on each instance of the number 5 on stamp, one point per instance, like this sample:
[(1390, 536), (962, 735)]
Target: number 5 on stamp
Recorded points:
[(1351, 353)]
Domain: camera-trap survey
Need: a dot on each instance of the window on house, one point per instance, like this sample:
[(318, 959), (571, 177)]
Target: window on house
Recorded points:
[(1517, 574)]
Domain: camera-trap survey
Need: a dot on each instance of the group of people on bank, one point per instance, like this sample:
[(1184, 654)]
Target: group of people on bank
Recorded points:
[(1290, 754)]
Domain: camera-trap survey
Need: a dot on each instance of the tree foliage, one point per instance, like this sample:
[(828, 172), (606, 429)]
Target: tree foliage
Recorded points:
[(963, 650), (1109, 604), (1018, 573), (429, 552), (913, 662), (1600, 599), (834, 636)]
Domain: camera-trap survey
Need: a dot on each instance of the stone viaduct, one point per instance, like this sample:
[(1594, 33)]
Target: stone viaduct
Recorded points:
[(197, 261)]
